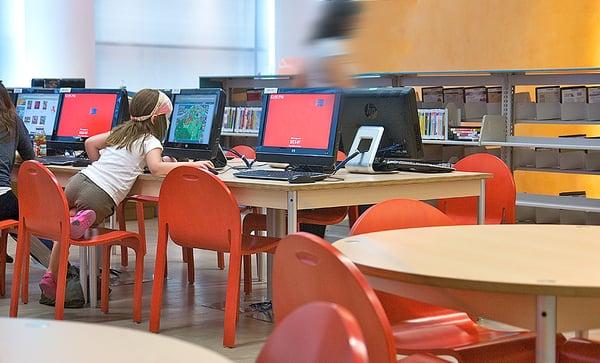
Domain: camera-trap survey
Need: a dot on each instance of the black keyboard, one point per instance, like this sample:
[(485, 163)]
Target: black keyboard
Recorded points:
[(283, 175), (57, 160), (402, 165)]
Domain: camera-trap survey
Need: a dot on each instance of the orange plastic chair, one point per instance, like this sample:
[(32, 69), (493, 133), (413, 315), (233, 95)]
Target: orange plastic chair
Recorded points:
[(183, 216), (500, 193), (577, 350), (308, 269), (38, 186), (5, 227), (245, 150), (423, 327), (316, 332)]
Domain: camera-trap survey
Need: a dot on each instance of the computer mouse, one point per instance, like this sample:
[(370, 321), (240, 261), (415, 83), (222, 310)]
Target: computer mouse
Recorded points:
[(300, 179)]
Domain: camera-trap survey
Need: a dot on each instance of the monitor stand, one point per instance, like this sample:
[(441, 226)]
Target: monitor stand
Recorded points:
[(220, 161), (367, 138)]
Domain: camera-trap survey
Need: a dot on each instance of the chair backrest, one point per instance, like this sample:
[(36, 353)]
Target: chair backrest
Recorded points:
[(316, 332), (43, 207), (247, 151), (340, 156), (309, 269), (198, 210), (399, 214), (500, 192)]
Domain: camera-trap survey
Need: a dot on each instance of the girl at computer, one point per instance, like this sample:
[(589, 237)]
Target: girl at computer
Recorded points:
[(94, 192)]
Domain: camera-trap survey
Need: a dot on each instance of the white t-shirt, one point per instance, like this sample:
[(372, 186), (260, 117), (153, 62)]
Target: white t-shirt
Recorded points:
[(117, 169)]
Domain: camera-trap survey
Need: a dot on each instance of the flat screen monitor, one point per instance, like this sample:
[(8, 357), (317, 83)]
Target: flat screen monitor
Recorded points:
[(12, 95), (38, 108), (85, 113), (395, 109), (58, 82), (195, 126), (299, 127)]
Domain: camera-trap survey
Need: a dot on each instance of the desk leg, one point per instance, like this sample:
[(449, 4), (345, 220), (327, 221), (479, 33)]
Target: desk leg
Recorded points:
[(545, 341), (83, 270), (292, 212), (275, 228), (481, 204)]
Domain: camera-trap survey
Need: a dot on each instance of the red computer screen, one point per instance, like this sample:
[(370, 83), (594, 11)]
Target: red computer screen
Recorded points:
[(86, 114), (299, 120)]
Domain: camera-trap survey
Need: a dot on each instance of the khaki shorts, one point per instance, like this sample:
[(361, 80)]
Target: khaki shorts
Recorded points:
[(83, 194)]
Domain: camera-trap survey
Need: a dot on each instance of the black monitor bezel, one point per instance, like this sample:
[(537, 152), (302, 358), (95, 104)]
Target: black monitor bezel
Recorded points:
[(407, 95), (300, 156), (198, 151), (77, 143), (34, 90)]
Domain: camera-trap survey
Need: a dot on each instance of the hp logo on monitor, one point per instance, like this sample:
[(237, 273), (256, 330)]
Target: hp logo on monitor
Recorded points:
[(371, 111)]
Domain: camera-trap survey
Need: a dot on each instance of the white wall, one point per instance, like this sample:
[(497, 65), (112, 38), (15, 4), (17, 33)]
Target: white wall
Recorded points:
[(40, 38), (294, 24)]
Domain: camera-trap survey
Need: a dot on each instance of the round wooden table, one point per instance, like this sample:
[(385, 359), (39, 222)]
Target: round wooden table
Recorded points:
[(34, 340), (538, 277)]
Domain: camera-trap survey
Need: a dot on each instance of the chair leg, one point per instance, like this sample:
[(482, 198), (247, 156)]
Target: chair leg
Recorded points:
[(3, 240), (190, 265), (105, 278), (122, 227), (352, 215), (25, 280), (232, 299), (247, 274), (17, 269), (221, 260), (137, 287), (184, 254), (61, 280), (159, 279)]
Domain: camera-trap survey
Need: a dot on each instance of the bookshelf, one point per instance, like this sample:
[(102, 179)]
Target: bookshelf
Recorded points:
[(509, 128)]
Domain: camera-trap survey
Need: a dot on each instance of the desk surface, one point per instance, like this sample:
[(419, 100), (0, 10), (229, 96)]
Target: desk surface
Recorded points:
[(35, 340), (343, 179), (556, 260)]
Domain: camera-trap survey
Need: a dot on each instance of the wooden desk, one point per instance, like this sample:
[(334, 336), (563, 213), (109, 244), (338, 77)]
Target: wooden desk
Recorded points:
[(283, 200), (538, 277), (35, 340)]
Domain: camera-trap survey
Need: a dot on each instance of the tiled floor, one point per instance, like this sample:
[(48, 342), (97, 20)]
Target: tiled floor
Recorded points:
[(190, 312)]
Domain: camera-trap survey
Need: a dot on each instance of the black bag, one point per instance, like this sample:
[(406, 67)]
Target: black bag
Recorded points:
[(74, 293)]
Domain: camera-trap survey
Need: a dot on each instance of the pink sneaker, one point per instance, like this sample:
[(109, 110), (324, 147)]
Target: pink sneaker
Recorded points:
[(48, 285), (81, 221)]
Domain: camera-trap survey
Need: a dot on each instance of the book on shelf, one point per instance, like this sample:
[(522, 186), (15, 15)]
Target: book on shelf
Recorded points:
[(434, 123), (465, 134), (241, 119)]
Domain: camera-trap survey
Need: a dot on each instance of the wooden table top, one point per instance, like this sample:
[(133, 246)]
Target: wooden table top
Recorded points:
[(34, 340), (559, 260), (342, 179)]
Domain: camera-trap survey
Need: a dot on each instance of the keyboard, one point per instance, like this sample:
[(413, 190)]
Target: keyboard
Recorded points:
[(57, 160), (402, 165), (283, 175)]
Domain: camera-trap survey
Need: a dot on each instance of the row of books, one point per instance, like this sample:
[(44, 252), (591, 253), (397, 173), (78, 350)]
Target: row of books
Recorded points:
[(434, 123), (460, 95), (464, 134), (572, 94), (241, 119)]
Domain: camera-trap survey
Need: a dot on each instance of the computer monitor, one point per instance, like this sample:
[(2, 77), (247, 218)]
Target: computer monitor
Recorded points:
[(12, 95), (299, 127), (85, 113), (38, 108), (58, 82), (395, 109), (195, 126)]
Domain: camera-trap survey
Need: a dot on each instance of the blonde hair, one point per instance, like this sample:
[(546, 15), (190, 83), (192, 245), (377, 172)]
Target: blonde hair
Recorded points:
[(125, 135)]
